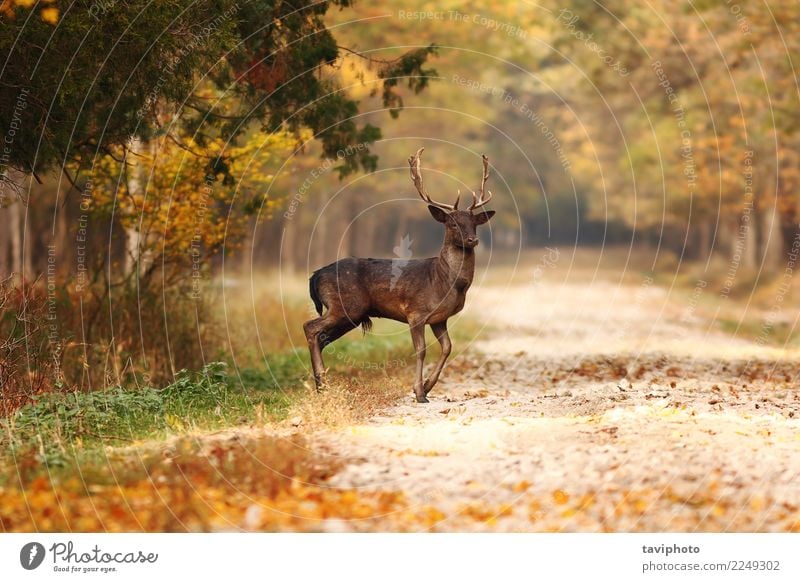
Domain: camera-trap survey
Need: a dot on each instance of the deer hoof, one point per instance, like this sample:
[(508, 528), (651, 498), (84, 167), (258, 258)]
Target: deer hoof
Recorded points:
[(421, 397)]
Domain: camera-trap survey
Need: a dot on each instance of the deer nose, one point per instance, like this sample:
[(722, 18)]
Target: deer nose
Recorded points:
[(472, 241)]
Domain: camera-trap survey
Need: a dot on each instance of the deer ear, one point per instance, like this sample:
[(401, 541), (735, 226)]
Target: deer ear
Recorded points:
[(437, 213), (483, 217)]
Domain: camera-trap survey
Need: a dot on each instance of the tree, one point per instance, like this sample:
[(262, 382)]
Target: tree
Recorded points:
[(109, 72), (177, 204)]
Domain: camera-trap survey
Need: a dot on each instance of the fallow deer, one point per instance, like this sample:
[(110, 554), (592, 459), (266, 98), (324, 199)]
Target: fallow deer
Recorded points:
[(424, 292)]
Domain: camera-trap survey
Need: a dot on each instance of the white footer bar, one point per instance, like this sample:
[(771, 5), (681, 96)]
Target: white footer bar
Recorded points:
[(388, 557)]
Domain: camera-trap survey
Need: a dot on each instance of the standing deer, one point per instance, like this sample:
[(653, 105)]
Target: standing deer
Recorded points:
[(425, 292)]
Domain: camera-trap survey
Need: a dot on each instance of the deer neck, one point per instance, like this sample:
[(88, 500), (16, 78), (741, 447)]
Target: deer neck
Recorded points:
[(455, 266)]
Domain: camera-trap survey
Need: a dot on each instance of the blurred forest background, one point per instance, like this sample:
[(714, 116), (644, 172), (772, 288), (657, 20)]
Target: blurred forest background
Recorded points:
[(155, 153)]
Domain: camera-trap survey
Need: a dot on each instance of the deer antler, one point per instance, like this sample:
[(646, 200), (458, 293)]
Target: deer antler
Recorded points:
[(482, 200), (416, 176)]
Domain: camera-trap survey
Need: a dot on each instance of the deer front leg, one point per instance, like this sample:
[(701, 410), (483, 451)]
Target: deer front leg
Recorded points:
[(418, 337), (440, 330), (313, 330)]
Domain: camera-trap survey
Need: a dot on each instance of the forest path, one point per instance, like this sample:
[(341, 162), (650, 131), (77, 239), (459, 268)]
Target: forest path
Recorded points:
[(590, 407)]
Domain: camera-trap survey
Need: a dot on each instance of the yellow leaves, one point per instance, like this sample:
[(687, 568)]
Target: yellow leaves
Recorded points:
[(264, 483), (486, 514), (174, 423), (431, 516), (50, 15), (421, 453), (521, 487), (181, 209), (304, 507), (560, 497)]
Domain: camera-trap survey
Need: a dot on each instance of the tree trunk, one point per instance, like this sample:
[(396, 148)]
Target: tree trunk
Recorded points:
[(790, 231), (773, 241), (745, 241), (60, 238), (769, 237), (789, 227), (703, 240), (353, 228), (246, 260), (135, 184), (5, 243), (15, 234), (288, 265), (339, 237), (366, 242), (28, 241), (321, 242)]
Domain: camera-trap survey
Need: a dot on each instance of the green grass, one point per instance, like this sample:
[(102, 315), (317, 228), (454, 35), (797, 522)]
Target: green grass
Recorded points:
[(59, 429), (779, 334), (75, 433)]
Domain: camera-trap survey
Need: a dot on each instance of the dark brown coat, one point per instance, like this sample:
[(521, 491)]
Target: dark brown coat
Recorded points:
[(419, 292)]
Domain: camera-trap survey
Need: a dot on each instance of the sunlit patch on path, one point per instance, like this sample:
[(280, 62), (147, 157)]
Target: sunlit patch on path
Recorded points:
[(562, 423)]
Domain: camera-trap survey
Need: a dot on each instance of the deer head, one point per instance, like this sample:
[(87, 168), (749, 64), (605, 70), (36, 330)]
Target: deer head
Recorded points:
[(460, 225)]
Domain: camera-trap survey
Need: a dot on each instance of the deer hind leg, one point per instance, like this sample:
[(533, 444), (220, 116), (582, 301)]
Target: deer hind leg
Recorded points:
[(319, 333), (440, 330), (418, 337)]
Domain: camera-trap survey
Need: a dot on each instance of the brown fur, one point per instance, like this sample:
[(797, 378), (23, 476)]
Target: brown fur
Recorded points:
[(419, 292)]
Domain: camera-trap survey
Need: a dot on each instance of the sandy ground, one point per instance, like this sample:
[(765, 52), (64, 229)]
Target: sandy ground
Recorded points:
[(589, 407)]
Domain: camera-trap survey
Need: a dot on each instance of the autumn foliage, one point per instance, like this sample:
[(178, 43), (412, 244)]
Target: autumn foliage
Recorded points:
[(184, 199)]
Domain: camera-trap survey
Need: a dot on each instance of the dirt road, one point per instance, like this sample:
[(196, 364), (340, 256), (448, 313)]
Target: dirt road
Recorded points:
[(588, 407)]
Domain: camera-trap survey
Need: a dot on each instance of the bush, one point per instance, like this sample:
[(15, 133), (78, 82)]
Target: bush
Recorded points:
[(30, 358)]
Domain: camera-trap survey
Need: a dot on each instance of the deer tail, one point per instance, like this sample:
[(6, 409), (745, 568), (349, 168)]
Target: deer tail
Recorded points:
[(366, 325), (313, 290)]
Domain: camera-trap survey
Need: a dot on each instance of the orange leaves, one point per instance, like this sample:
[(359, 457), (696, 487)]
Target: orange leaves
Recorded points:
[(521, 487), (48, 14), (486, 513), (264, 483), (305, 507), (150, 506), (560, 497)]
